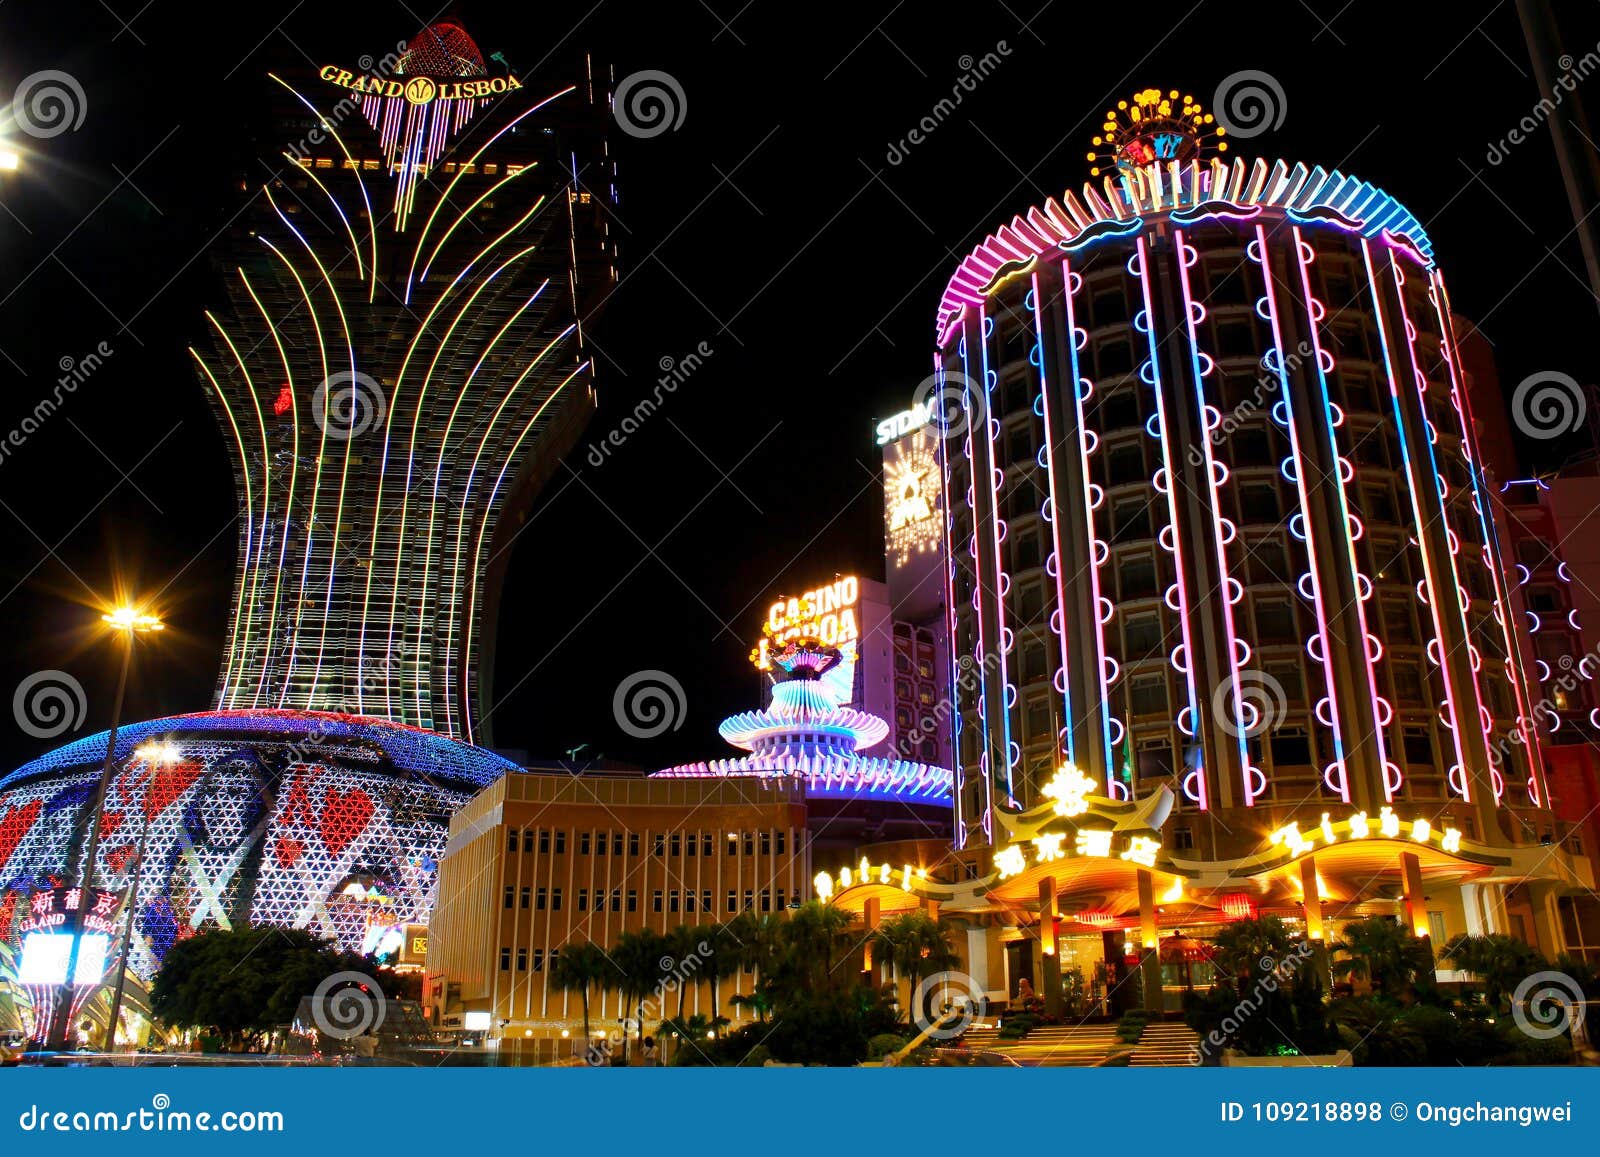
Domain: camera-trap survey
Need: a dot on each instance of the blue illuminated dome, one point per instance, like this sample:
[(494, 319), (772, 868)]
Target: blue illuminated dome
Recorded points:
[(296, 818)]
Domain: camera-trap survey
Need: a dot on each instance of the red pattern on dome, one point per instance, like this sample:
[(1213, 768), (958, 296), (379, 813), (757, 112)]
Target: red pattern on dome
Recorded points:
[(442, 49)]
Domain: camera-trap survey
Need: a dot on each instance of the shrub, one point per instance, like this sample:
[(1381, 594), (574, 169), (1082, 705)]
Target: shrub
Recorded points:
[(883, 1044)]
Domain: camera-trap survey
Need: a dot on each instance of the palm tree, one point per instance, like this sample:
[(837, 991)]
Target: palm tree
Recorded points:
[(1385, 952), (1243, 948), (578, 968), (812, 936), (637, 956), (756, 942), (1499, 961), (682, 944), (917, 945)]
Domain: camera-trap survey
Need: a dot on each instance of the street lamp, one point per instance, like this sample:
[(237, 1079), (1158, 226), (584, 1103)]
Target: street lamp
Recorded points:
[(127, 621), (156, 755)]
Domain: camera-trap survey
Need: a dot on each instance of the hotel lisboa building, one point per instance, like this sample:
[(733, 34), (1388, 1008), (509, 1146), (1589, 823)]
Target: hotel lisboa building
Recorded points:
[(1222, 556)]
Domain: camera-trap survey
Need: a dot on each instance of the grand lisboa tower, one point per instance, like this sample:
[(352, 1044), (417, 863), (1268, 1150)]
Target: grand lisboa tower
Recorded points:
[(399, 362), (1231, 630)]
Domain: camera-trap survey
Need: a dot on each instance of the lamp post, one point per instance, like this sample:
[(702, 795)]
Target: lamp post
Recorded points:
[(157, 755), (128, 622)]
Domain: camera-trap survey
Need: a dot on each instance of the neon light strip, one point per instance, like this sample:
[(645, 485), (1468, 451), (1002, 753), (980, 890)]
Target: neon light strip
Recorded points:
[(952, 626), (1001, 581), (252, 572), (355, 246), (1436, 593), (1164, 438), (344, 476), (1419, 383), (249, 522), (292, 674), (1318, 601), (462, 216), (294, 476), (1303, 258), (411, 454), (477, 550), (1058, 556), (976, 412), (461, 170), (466, 497), (1249, 773), (372, 218), (1540, 796), (1078, 387)]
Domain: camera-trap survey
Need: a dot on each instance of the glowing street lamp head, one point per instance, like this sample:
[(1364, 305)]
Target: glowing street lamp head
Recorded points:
[(132, 619)]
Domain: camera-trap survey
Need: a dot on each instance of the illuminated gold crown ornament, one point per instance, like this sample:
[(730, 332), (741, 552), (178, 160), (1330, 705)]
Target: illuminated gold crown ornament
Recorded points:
[(1153, 127)]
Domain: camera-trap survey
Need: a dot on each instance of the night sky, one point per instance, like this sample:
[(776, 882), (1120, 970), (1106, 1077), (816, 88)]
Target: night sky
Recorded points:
[(771, 226)]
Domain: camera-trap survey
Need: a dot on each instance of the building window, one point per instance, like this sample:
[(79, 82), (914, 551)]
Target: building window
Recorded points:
[(527, 841), (544, 842), (561, 843), (749, 844), (655, 900), (660, 845), (633, 843), (688, 900), (694, 844), (583, 843), (1183, 839), (749, 898), (782, 839), (583, 899), (733, 900), (782, 900), (538, 959), (544, 898), (766, 900), (676, 844), (705, 901), (555, 899), (616, 843), (522, 960), (511, 841), (633, 900), (672, 900), (766, 843), (505, 960), (525, 897)]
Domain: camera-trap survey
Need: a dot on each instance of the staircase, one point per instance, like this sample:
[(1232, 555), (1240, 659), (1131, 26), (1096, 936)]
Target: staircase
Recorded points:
[(1169, 1043), (1053, 1046)]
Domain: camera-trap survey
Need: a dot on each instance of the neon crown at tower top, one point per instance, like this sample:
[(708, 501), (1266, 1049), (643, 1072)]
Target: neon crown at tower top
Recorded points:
[(1151, 127)]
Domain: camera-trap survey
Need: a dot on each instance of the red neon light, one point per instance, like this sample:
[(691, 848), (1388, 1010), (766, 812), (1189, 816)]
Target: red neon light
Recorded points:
[(285, 401), (1238, 906)]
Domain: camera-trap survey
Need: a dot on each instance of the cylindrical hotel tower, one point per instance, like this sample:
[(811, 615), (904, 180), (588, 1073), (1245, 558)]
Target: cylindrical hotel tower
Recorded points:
[(1215, 518)]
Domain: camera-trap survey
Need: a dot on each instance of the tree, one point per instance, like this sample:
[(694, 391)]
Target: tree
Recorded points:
[(637, 956), (1251, 948), (1386, 953), (917, 945), (682, 946), (578, 968), (1499, 961), (245, 982)]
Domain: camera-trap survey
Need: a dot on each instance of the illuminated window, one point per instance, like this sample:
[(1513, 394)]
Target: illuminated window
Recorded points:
[(490, 169), (324, 162), (369, 164)]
